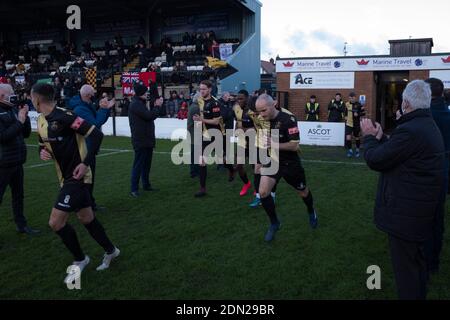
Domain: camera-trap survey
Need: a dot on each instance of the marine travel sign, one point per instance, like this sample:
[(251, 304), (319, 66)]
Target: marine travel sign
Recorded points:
[(438, 62)]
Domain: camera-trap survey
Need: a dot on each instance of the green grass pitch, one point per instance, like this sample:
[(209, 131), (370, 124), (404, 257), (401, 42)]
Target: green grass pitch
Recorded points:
[(177, 247)]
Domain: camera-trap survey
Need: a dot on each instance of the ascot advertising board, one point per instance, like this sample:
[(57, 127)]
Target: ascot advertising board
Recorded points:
[(322, 133), (364, 64), (323, 80)]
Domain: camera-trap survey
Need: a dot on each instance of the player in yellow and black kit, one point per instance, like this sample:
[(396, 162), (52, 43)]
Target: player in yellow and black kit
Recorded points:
[(211, 119), (243, 123), (62, 139), (288, 164), (353, 113), (262, 128)]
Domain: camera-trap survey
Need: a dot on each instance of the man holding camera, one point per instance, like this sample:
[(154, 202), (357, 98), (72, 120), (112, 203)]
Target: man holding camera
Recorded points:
[(14, 127)]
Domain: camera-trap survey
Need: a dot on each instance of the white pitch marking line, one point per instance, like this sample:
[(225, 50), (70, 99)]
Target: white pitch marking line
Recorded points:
[(119, 151)]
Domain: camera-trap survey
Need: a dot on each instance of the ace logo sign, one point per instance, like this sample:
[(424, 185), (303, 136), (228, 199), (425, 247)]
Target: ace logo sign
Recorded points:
[(323, 80), (300, 80)]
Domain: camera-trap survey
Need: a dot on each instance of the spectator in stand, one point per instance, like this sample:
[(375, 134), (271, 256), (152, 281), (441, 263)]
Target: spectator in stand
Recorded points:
[(27, 53), (108, 48), (36, 66), (141, 51), (169, 54), (177, 66), (3, 71), (183, 112), (141, 42), (121, 55), (198, 44), (57, 86), (20, 67), (87, 47), (149, 53), (172, 104), (69, 91), (206, 66), (183, 66), (35, 52), (101, 63), (186, 39)]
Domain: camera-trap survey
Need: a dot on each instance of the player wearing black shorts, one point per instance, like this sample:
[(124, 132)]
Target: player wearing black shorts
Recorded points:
[(353, 111), (262, 128), (285, 155), (210, 118), (62, 138)]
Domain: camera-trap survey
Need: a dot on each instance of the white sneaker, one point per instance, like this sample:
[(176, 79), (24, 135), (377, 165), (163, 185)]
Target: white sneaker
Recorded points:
[(107, 258), (72, 276)]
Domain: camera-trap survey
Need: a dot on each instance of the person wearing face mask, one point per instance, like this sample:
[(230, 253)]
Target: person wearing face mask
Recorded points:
[(14, 127), (142, 125), (84, 107), (411, 167)]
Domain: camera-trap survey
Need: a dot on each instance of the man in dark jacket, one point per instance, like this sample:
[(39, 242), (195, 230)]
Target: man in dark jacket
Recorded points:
[(441, 115), (142, 137), (411, 166), (336, 109), (14, 127)]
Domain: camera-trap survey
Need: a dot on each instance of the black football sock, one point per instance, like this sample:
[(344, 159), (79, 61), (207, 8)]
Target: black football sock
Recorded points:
[(70, 240), (243, 174), (358, 143), (97, 232), (256, 181), (269, 205), (348, 144)]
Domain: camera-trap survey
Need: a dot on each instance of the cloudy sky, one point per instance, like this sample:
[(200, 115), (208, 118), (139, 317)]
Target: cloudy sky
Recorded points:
[(297, 28)]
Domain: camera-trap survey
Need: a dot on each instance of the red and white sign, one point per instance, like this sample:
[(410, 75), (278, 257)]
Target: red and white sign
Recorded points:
[(381, 63)]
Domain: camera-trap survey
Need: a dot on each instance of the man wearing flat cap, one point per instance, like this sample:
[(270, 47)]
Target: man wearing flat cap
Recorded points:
[(142, 126)]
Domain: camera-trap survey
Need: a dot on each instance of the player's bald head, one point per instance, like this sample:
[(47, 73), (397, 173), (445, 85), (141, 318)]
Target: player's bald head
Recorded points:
[(265, 105)]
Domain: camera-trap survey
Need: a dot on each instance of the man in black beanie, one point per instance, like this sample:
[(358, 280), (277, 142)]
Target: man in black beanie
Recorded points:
[(142, 127)]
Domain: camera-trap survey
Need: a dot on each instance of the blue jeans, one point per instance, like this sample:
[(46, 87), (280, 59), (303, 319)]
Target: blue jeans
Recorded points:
[(141, 168)]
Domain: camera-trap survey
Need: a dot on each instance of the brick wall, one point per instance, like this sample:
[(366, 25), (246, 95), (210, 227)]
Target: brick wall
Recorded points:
[(419, 74), (364, 85)]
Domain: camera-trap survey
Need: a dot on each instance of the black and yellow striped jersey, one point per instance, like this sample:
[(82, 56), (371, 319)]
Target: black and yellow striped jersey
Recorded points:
[(262, 128), (243, 122), (353, 114), (64, 135), (211, 109), (287, 126)]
